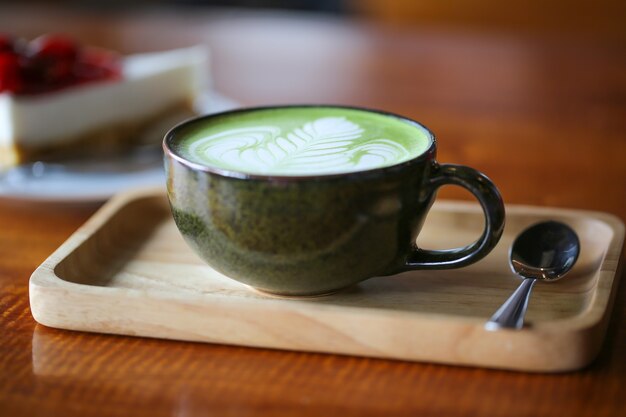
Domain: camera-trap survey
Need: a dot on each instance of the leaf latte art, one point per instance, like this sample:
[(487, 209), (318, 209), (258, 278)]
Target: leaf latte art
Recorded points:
[(324, 145)]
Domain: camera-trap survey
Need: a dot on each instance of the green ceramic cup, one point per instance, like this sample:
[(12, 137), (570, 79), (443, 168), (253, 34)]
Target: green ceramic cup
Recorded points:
[(316, 234)]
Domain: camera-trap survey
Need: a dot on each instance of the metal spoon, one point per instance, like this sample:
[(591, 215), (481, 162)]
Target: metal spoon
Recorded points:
[(545, 251)]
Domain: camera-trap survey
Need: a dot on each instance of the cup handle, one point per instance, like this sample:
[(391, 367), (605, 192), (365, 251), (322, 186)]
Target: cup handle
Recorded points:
[(493, 207)]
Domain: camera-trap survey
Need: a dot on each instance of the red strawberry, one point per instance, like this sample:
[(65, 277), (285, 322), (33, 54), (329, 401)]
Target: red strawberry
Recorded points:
[(55, 47), (52, 62), (7, 43), (53, 57), (10, 76)]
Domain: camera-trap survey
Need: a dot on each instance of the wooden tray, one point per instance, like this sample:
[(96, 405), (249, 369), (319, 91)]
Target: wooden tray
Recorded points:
[(128, 271)]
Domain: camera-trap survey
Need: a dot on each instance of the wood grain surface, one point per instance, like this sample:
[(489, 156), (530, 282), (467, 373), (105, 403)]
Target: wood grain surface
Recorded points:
[(139, 277), (543, 117)]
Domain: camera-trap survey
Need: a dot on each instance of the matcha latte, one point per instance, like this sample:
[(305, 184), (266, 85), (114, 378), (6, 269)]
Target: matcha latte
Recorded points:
[(307, 200), (303, 141)]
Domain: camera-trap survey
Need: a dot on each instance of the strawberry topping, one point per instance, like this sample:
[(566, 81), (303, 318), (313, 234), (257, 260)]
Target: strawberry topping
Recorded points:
[(10, 74), (52, 62), (7, 43)]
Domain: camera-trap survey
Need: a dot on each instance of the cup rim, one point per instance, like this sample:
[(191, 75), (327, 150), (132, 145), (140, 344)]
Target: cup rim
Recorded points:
[(169, 152)]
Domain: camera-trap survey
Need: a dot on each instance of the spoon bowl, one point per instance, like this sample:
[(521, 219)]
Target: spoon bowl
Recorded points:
[(545, 251)]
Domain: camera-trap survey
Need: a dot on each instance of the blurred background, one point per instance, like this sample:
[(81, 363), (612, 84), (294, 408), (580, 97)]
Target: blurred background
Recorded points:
[(574, 17), (489, 77)]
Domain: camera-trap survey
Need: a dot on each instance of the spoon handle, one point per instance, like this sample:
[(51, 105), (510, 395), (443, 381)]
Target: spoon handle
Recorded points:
[(511, 314)]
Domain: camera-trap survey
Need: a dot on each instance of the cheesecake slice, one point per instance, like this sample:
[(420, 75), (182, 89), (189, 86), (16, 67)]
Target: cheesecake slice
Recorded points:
[(129, 101)]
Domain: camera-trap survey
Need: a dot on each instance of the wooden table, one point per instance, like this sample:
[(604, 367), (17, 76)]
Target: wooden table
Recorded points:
[(544, 118)]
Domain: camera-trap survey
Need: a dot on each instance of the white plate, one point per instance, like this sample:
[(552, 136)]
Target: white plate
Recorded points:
[(66, 183)]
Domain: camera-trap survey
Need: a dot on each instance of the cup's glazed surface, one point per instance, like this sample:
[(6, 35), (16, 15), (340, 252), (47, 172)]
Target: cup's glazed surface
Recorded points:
[(317, 234)]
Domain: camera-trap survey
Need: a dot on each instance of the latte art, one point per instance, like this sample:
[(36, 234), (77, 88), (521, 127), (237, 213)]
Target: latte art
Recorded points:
[(321, 146), (303, 144)]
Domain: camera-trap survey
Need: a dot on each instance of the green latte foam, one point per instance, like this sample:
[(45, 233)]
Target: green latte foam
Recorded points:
[(301, 141)]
